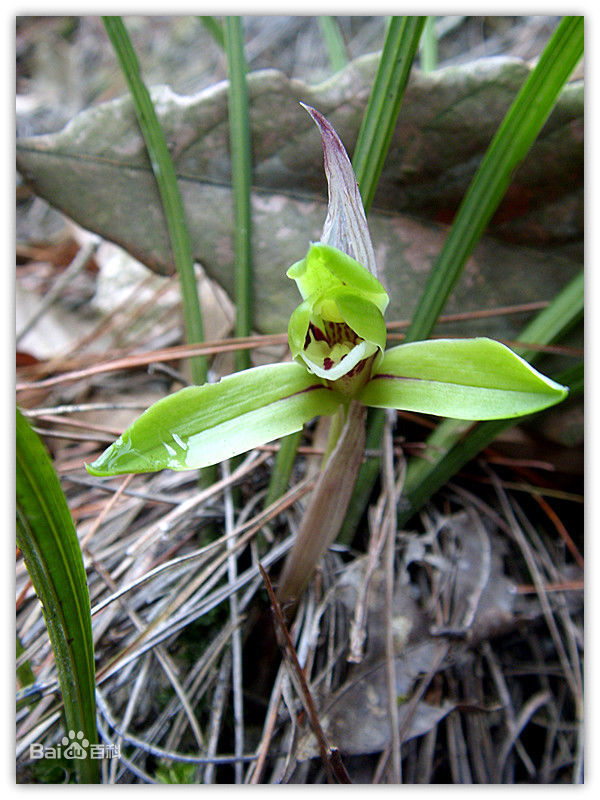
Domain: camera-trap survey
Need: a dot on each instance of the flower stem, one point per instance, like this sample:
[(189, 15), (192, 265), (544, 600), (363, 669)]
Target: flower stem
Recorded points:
[(327, 507)]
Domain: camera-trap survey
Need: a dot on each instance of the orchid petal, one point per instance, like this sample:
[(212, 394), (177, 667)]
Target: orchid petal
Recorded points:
[(203, 425), (475, 379), (362, 316), (298, 328)]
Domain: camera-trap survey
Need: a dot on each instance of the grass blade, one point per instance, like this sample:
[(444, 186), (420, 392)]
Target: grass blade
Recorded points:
[(25, 675), (334, 42), (557, 319), (401, 42), (282, 468), (429, 46), (166, 178), (47, 538), (241, 172), (215, 28), (509, 146)]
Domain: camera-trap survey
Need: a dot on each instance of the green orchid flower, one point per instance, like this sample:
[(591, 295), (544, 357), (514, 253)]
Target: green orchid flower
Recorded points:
[(338, 332), (337, 339)]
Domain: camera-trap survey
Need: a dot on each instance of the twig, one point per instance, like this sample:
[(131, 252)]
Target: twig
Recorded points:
[(236, 641), (162, 655), (82, 407), (539, 582), (528, 710), (161, 752), (389, 554), (131, 706), (217, 705), (268, 729), (196, 683), (561, 529), (507, 707), (457, 751), (299, 681), (166, 354), (142, 642), (107, 507)]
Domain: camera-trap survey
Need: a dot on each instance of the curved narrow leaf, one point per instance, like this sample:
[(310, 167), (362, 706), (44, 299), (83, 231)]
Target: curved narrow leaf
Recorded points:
[(47, 538), (334, 42), (203, 425), (241, 176), (461, 378)]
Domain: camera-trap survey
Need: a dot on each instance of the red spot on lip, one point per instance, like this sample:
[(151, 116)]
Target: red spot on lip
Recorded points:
[(327, 363)]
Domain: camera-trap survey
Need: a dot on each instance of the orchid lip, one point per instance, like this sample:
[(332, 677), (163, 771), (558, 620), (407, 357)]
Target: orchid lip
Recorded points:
[(359, 352)]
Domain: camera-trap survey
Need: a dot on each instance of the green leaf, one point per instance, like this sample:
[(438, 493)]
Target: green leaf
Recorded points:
[(557, 319), (47, 538), (282, 468), (203, 425), (477, 379), (215, 28), (428, 49), (25, 674)]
